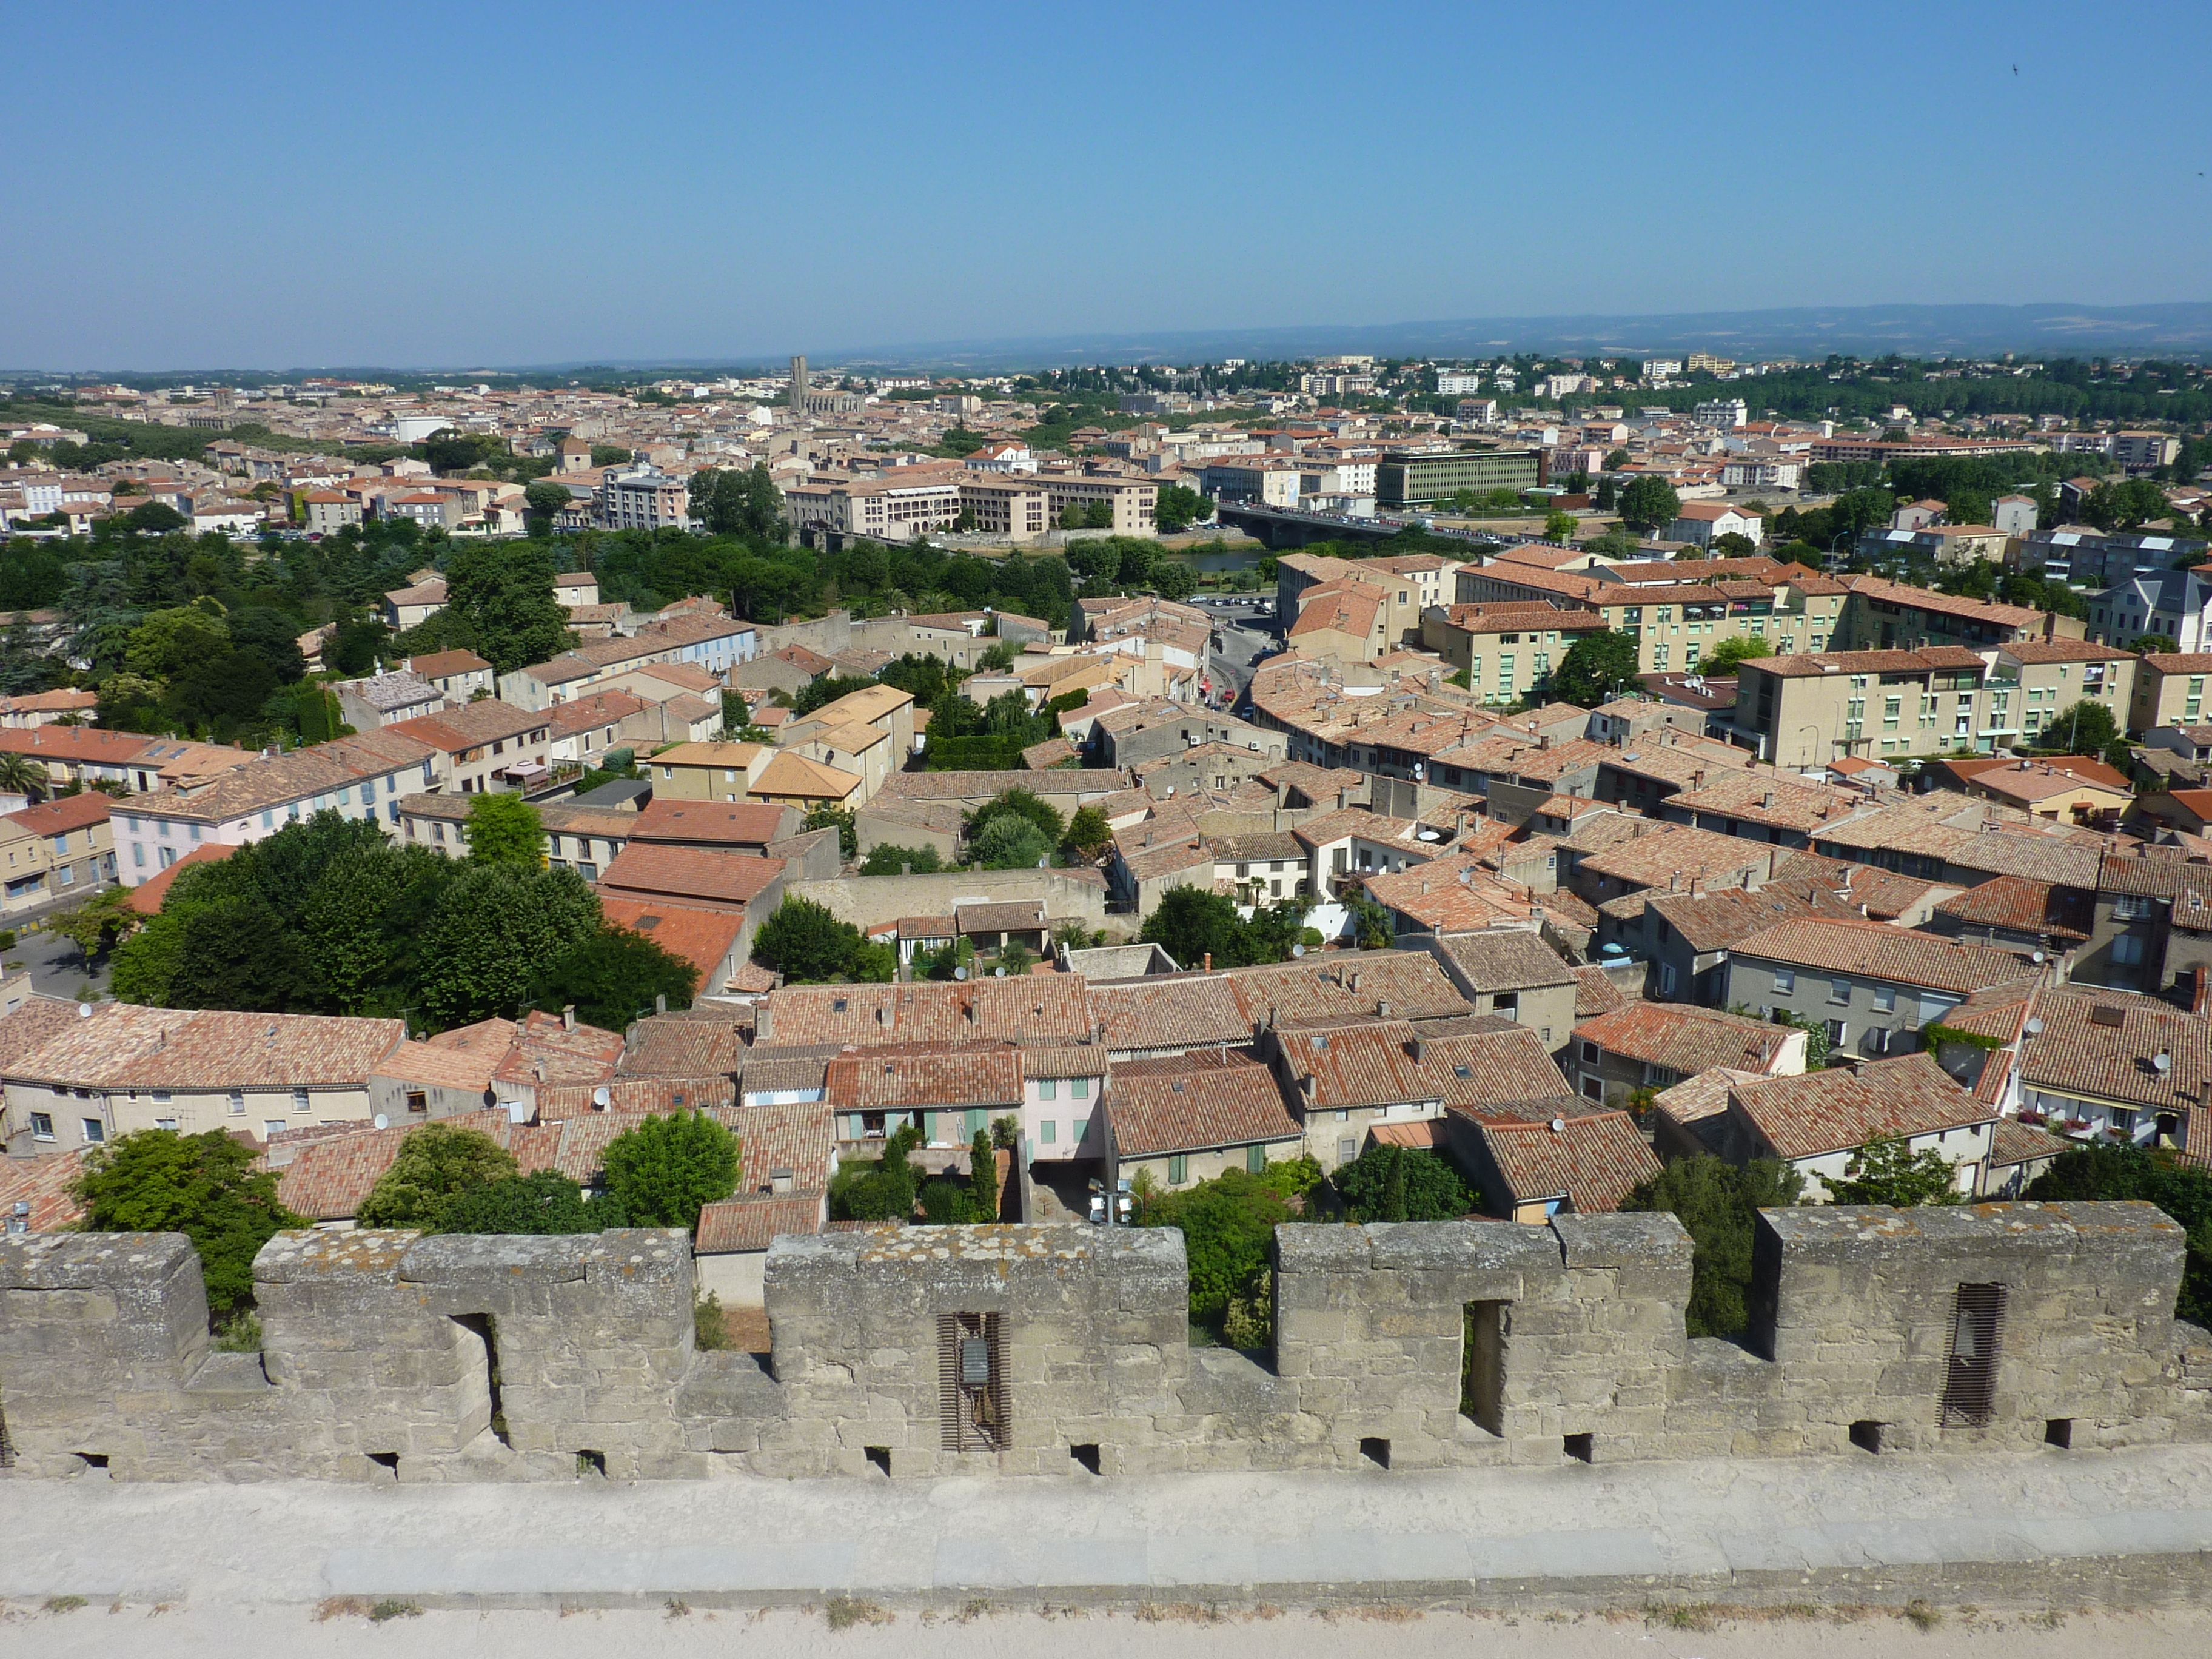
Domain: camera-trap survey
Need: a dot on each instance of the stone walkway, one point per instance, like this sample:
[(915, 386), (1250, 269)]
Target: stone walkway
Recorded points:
[(2123, 1528)]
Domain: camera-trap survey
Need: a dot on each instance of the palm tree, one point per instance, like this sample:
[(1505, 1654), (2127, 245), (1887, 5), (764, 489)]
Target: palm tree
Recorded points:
[(21, 775)]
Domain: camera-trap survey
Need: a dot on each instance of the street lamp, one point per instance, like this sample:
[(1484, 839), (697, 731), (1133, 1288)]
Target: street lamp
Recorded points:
[(1815, 731)]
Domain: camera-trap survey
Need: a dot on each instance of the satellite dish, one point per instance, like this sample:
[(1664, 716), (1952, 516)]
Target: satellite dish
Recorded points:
[(1297, 949), (601, 1098), (959, 972), (1559, 1125), (2039, 956), (998, 973), (2164, 1062), (2035, 1027), (84, 1011), (381, 1122)]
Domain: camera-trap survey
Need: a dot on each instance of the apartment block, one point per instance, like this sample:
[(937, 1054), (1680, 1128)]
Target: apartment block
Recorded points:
[(1810, 710), (1006, 504)]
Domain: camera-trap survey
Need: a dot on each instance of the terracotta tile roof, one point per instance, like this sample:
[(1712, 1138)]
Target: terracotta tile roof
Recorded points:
[(636, 1096), (1671, 854), (1018, 915), (1836, 1110), (718, 823), (1041, 1008), (444, 665), (2024, 907), (1687, 1039), (703, 935), (751, 1222), (935, 1074), (706, 876), (1595, 993), (43, 1184), (2103, 1045), (672, 1045), (1347, 985), (1593, 1161), (54, 817), (471, 725), (2062, 650), (1701, 1099), (147, 897), (1875, 950), (1765, 798), (2014, 1142), (1484, 1071), (1192, 1101), (31, 1026), (1505, 961), (122, 1046), (1170, 1010), (1368, 1064), (1882, 894), (1921, 599), (1812, 665), (467, 1057)]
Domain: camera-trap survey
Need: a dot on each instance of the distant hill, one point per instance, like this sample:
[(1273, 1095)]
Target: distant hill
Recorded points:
[(1801, 331)]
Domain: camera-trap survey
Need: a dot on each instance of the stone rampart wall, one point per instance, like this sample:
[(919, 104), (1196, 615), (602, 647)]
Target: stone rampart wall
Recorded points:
[(390, 1356)]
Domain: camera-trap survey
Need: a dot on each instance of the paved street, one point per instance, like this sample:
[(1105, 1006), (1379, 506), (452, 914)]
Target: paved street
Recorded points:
[(57, 968)]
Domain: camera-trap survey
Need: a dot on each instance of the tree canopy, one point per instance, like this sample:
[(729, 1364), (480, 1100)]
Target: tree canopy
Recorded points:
[(665, 1171), (1717, 1204), (1192, 923), (436, 1163), (1649, 503), (204, 1185), (330, 915), (1401, 1184), (805, 942), (1596, 670)]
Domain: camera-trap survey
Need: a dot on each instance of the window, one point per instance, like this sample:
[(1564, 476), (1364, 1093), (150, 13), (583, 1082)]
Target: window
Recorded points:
[(2128, 949), (237, 1102), (1590, 1054), (1078, 1088), (42, 1125), (164, 1123), (160, 1097), (299, 1100), (1885, 998), (94, 1131), (137, 855), (1839, 990), (1837, 1031), (1049, 1089), (1048, 1131), (271, 1128), (418, 1100), (1178, 1169), (1784, 980), (1256, 1160)]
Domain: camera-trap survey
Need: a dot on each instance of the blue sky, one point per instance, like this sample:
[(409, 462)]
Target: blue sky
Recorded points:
[(295, 184)]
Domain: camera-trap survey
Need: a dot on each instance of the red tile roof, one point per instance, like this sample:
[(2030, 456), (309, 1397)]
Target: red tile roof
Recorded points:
[(721, 824), (2103, 1045), (706, 877), (1875, 950), (67, 813), (703, 936), (1043, 1008), (147, 897), (44, 1183), (1187, 1102), (1836, 1110), (932, 1075), (1351, 1066), (751, 1222), (1687, 1039), (1594, 1162)]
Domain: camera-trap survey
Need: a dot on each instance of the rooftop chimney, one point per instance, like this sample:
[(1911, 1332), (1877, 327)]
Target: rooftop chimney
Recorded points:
[(568, 1016), (1209, 963)]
